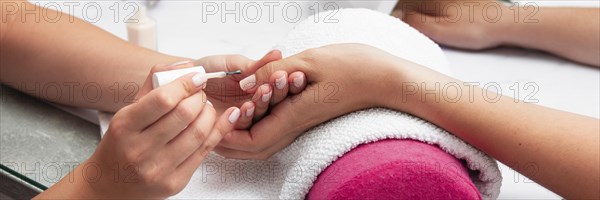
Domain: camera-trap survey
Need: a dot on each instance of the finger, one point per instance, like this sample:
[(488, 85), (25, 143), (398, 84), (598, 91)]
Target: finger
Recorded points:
[(247, 110), (174, 122), (162, 100), (147, 87), (280, 91), (260, 155), (271, 56), (237, 62), (297, 82), (190, 139), (263, 74), (222, 126), (290, 117), (261, 100)]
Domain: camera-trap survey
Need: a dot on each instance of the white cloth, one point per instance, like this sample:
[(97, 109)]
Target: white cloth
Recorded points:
[(290, 173)]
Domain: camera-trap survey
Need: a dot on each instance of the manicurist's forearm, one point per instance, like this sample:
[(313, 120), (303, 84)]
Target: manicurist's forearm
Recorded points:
[(557, 149), (72, 62), (572, 33)]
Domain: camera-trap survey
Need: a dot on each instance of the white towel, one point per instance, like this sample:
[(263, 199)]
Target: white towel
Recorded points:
[(290, 173)]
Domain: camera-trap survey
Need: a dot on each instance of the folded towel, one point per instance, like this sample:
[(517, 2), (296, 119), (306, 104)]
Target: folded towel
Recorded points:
[(290, 173)]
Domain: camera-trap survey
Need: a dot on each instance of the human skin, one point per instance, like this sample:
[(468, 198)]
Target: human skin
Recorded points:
[(557, 149), (568, 32), (152, 147), (62, 54), (157, 137)]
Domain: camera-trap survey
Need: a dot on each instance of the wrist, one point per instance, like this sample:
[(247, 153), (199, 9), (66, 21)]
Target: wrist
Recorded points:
[(501, 32), (72, 186), (401, 94)]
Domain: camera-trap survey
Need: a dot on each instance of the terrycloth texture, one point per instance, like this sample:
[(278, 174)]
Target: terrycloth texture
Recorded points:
[(291, 173), (395, 169)]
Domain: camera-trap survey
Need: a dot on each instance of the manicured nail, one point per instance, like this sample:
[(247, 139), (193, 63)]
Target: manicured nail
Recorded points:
[(209, 103), (299, 81), (248, 82), (267, 97), (234, 116), (281, 82), (199, 79), (180, 63), (250, 112)]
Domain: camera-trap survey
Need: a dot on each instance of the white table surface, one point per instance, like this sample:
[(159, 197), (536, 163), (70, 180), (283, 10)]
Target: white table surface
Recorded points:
[(561, 84)]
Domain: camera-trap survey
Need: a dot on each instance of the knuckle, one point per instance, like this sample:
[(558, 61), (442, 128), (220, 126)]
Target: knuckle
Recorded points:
[(208, 146), (187, 86), (131, 156), (199, 134), (116, 126), (172, 187), (149, 176), (311, 55), (164, 101), (184, 114)]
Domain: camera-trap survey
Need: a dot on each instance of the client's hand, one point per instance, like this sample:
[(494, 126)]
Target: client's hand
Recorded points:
[(341, 79), (226, 92), (471, 25)]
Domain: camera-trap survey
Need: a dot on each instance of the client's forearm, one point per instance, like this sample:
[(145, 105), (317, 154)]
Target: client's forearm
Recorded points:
[(554, 148), (573, 33), (72, 62)]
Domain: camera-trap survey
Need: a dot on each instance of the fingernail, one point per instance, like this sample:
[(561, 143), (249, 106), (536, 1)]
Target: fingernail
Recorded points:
[(267, 97), (250, 112), (248, 82), (180, 63), (234, 116), (299, 81), (199, 79), (281, 82), (209, 103)]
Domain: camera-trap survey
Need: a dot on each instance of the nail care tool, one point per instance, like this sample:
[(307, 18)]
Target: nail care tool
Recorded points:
[(163, 78)]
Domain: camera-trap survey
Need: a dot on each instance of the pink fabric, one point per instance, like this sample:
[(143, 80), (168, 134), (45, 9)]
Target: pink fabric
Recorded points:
[(395, 169)]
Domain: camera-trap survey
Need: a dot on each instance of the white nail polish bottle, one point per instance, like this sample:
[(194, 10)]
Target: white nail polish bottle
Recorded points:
[(141, 29)]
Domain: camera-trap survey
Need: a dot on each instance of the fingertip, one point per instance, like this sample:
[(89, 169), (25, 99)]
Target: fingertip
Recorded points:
[(248, 109), (280, 79), (297, 79), (277, 54), (234, 115)]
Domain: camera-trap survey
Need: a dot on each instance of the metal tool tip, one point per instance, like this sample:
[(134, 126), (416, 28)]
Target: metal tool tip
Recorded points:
[(233, 72)]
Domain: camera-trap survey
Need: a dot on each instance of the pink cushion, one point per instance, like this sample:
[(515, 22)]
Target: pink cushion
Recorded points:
[(395, 169)]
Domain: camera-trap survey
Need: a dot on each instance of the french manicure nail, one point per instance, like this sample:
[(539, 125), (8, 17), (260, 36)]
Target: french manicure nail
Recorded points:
[(299, 81), (248, 82), (250, 112), (234, 116), (267, 97), (199, 79), (209, 103), (281, 82), (180, 63)]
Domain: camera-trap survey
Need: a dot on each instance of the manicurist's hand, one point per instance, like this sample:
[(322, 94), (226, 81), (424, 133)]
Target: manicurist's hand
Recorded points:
[(340, 79), (153, 146)]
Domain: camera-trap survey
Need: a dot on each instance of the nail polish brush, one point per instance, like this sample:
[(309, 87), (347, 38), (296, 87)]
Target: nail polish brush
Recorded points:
[(163, 78)]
